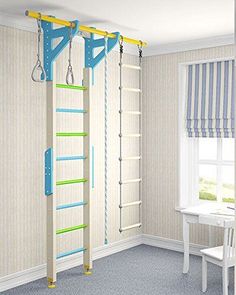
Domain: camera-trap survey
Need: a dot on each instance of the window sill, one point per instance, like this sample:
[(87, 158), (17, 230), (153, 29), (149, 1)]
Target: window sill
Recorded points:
[(178, 209)]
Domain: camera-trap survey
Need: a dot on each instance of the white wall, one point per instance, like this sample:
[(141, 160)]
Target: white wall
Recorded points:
[(160, 143), (23, 142)]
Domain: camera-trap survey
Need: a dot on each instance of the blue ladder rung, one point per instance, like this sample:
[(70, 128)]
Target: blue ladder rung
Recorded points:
[(65, 206), (61, 255), (67, 158), (61, 110)]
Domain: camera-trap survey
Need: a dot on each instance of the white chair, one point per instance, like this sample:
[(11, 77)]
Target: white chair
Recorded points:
[(223, 256)]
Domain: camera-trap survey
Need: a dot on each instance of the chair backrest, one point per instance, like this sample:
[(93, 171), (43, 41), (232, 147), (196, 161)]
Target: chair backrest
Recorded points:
[(229, 240)]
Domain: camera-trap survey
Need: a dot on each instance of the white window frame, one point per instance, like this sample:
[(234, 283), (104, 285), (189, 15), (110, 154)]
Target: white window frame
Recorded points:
[(219, 163), (188, 153)]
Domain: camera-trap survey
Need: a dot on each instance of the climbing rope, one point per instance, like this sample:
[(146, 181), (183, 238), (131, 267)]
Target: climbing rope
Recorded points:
[(69, 74), (105, 138), (38, 74)]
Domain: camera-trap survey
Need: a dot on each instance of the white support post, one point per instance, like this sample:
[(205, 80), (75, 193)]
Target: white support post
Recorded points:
[(186, 244), (51, 199), (87, 78)]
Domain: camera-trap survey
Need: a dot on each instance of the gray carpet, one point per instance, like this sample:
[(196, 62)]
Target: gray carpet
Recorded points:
[(138, 271)]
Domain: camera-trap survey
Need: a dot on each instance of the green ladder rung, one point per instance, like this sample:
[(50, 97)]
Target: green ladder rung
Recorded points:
[(71, 181), (75, 87), (72, 228), (71, 134)]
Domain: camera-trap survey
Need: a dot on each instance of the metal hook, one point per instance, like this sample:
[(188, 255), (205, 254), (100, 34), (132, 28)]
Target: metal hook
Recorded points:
[(38, 74), (121, 45), (140, 49), (121, 40), (69, 74), (140, 45)]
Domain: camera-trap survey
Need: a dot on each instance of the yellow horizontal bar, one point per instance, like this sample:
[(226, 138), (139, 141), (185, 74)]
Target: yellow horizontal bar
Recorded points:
[(58, 21), (110, 35), (50, 19)]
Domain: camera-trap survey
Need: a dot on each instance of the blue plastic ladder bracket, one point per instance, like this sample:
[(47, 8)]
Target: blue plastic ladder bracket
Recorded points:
[(49, 51), (48, 164), (91, 61)]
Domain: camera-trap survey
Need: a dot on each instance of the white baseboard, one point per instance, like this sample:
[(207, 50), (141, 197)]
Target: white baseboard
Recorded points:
[(169, 244), (22, 277), (38, 272)]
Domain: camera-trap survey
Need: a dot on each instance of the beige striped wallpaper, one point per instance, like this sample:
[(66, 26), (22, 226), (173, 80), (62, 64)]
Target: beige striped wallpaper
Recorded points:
[(23, 141), (160, 143)]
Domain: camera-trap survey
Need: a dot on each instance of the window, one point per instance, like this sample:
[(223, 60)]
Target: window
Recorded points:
[(216, 169), (206, 143)]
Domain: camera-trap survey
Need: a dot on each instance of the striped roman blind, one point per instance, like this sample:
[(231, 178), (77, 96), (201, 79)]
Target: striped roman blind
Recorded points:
[(210, 99)]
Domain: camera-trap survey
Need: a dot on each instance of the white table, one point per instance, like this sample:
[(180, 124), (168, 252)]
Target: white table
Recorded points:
[(209, 214)]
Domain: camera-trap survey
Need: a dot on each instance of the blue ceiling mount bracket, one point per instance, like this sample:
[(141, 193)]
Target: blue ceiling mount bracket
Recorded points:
[(51, 52), (91, 61)]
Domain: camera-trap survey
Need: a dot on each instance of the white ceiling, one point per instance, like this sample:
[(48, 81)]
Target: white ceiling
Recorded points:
[(159, 22)]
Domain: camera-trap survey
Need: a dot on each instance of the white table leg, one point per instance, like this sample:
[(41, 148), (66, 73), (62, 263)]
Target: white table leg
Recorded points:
[(212, 241), (186, 244)]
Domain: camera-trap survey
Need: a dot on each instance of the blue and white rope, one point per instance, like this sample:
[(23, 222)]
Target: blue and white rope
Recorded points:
[(105, 139)]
